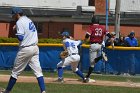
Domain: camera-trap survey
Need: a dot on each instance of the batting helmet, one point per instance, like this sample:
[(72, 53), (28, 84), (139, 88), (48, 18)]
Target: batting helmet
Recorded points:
[(95, 20)]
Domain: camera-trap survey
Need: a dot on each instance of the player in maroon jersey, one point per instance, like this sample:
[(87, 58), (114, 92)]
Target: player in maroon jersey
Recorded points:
[(96, 34)]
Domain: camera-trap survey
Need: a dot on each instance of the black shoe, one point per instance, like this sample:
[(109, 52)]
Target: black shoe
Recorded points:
[(86, 80)]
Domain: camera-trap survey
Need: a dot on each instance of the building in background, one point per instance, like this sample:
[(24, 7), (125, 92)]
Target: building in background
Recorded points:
[(53, 16)]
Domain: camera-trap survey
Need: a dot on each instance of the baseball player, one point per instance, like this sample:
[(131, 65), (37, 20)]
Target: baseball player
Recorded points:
[(72, 59), (28, 53), (96, 34)]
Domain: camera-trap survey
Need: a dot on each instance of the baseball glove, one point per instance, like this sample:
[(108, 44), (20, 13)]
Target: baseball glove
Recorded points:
[(64, 54)]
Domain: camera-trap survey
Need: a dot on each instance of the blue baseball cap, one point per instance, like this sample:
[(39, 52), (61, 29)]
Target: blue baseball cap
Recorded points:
[(132, 33), (16, 10), (65, 33)]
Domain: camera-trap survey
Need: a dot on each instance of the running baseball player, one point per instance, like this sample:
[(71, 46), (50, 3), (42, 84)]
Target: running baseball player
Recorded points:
[(28, 53), (96, 34), (72, 59)]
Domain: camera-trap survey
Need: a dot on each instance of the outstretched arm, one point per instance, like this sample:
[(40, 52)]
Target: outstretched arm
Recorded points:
[(86, 36)]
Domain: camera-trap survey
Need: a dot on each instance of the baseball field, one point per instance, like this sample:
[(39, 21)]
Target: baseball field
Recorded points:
[(27, 83)]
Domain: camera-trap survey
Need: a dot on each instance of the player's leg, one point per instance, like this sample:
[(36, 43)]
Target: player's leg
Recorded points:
[(35, 65), (92, 54), (101, 54), (62, 64), (74, 64), (60, 71), (20, 63), (76, 70)]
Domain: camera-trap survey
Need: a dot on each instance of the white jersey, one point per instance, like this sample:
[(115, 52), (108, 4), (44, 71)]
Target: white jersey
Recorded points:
[(26, 28), (71, 45)]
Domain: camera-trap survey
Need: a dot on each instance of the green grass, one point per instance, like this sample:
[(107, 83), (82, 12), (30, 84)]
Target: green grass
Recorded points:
[(69, 74), (69, 88)]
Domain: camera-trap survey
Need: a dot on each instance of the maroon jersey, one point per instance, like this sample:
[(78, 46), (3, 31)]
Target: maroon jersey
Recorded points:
[(97, 33)]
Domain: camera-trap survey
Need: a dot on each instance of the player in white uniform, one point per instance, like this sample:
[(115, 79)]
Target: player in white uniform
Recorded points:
[(73, 56), (28, 53)]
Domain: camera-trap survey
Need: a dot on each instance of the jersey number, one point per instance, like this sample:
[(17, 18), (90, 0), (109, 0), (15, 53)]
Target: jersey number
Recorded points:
[(98, 32), (32, 27), (68, 44), (72, 45)]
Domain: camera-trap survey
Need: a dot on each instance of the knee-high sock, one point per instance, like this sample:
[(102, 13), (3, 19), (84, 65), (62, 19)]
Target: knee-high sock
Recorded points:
[(60, 72), (89, 72), (98, 58), (11, 83), (41, 83), (80, 74)]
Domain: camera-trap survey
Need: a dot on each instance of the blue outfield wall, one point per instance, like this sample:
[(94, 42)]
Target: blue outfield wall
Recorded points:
[(120, 59)]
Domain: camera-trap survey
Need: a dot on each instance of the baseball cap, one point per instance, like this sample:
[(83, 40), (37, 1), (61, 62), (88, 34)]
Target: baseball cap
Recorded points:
[(16, 10), (132, 33), (65, 33)]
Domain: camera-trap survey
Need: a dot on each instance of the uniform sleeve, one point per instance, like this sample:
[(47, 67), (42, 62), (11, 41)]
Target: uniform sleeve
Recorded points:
[(20, 29), (78, 43), (89, 30)]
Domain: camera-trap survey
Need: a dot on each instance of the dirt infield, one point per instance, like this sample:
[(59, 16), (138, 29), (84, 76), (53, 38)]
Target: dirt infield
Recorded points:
[(28, 79)]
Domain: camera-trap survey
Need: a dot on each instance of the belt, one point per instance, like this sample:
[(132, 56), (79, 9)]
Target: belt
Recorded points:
[(73, 54), (28, 45), (95, 43)]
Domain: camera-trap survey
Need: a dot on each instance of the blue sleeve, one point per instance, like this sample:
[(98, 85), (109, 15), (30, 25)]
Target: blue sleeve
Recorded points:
[(20, 37), (80, 43), (67, 44)]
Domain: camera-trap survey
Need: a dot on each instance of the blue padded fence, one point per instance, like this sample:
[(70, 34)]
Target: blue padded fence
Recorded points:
[(120, 60)]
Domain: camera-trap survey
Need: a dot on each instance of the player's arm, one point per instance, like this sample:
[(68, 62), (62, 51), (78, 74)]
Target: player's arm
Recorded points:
[(65, 45), (20, 32), (80, 43), (88, 33), (20, 37)]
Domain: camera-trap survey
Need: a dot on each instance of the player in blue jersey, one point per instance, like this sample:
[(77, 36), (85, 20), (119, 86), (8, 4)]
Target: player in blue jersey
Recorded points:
[(73, 57), (28, 53)]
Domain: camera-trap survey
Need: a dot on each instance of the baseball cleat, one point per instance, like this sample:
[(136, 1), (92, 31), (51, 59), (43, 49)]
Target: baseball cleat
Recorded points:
[(92, 80), (61, 80), (2, 90), (104, 57), (44, 92), (86, 80)]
